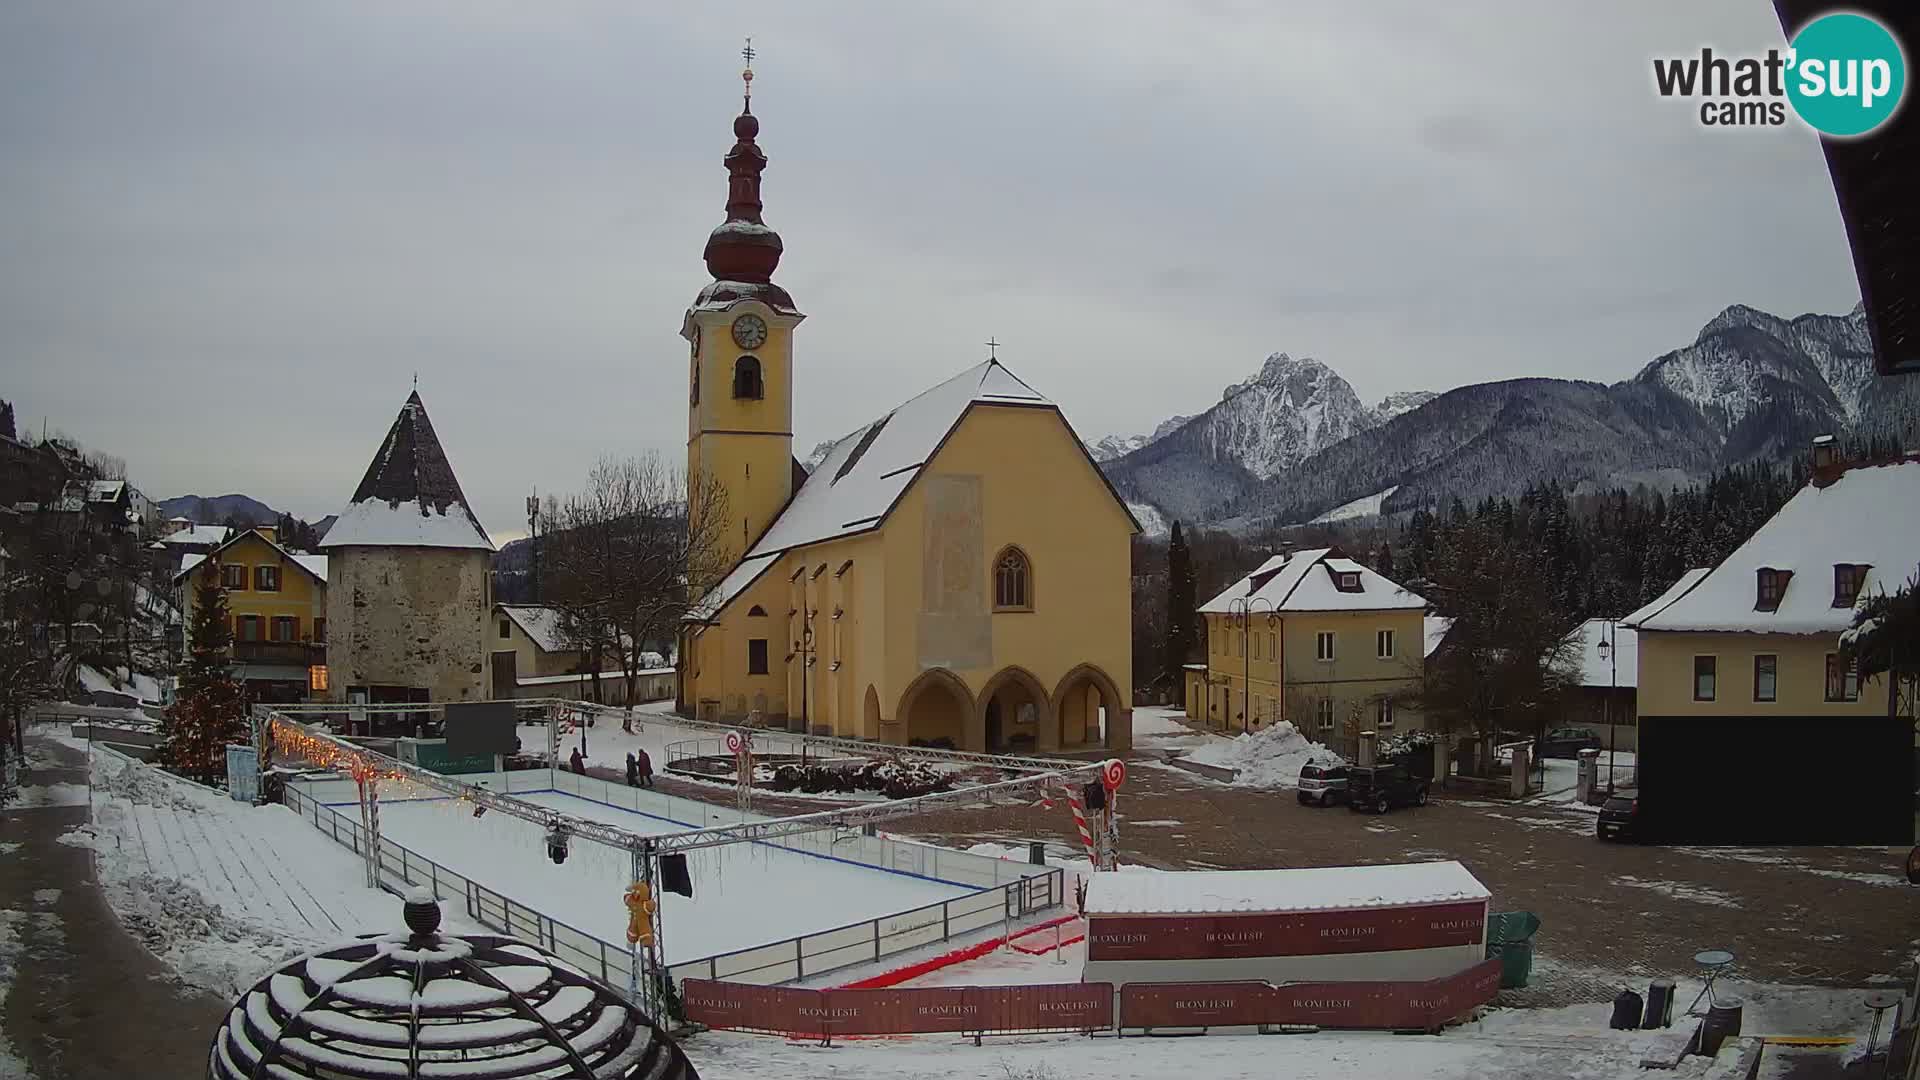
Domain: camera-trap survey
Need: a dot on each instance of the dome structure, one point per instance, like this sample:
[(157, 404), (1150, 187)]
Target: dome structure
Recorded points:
[(423, 1004)]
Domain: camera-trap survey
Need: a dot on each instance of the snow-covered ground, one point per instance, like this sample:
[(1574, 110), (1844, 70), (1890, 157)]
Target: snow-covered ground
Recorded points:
[(1157, 727), (743, 894), (1268, 758), (222, 890)]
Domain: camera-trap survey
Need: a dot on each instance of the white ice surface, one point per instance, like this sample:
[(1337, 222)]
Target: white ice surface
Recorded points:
[(743, 894)]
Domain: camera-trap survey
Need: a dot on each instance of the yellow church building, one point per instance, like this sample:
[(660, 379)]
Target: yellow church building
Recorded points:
[(954, 573)]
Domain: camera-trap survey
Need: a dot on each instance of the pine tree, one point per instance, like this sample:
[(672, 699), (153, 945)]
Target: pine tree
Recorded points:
[(211, 709), (1181, 613)]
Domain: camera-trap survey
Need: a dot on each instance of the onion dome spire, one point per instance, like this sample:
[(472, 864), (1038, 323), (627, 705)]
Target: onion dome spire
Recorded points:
[(743, 248)]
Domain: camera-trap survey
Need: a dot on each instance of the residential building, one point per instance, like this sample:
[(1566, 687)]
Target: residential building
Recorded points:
[(411, 599), (1314, 638), (954, 572), (1603, 698), (1740, 663), (277, 601), (532, 656)]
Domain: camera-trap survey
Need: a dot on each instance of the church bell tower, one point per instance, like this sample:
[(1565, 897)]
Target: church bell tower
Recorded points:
[(740, 369)]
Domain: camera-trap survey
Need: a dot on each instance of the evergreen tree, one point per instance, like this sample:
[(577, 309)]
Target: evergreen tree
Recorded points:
[(1181, 613), (211, 709)]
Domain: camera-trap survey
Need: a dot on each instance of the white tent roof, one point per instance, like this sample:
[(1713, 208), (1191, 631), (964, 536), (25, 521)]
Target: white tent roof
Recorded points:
[(1326, 888), (1304, 582), (1869, 516)]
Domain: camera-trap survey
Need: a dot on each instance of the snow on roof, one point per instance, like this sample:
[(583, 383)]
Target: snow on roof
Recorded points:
[(854, 487), (1869, 515), (1622, 668), (409, 496), (105, 490), (1290, 583), (1326, 888), (582, 676), (196, 534), (1674, 592), (1436, 627), (857, 484), (540, 623), (312, 564), (736, 582)]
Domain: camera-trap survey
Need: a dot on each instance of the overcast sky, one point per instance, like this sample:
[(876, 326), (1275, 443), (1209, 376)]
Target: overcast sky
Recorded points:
[(230, 233)]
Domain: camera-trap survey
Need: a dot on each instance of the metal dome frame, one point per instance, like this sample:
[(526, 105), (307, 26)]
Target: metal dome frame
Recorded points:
[(411, 1006)]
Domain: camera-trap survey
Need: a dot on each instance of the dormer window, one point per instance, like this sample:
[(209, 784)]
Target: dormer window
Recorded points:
[(1346, 581), (1847, 581), (1770, 586)]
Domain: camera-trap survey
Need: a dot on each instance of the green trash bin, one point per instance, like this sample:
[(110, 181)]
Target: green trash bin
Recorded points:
[(1510, 937)]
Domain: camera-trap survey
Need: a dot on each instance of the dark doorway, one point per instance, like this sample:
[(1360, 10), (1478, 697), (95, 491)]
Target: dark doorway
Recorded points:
[(994, 741), (505, 675)]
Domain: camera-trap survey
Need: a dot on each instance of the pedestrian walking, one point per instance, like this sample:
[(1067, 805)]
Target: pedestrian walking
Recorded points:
[(633, 771), (646, 769), (579, 762)]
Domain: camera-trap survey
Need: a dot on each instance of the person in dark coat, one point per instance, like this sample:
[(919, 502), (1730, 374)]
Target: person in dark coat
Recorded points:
[(579, 763), (633, 772), (646, 769)]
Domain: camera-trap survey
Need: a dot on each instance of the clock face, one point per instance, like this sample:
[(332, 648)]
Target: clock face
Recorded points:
[(749, 332)]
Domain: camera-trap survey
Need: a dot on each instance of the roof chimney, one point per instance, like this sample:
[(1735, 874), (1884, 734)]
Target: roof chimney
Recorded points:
[(1827, 465)]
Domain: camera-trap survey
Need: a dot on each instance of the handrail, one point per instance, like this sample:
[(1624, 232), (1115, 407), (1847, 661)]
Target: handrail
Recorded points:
[(478, 896)]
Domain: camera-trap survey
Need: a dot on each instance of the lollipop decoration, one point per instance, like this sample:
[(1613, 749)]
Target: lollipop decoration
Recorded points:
[(1113, 774)]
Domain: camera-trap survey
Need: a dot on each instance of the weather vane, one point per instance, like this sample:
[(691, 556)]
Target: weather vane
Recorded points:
[(746, 74)]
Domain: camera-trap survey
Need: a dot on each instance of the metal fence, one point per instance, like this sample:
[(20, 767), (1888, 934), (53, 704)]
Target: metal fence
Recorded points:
[(1006, 891)]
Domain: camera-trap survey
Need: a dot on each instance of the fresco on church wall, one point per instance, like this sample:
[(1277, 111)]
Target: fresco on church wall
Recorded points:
[(956, 631)]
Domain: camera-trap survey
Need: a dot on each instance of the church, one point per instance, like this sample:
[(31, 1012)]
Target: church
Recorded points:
[(955, 573)]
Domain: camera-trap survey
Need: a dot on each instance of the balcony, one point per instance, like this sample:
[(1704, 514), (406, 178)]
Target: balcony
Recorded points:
[(294, 653)]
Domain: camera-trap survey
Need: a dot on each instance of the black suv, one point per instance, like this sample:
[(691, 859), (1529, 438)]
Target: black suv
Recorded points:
[(1380, 788)]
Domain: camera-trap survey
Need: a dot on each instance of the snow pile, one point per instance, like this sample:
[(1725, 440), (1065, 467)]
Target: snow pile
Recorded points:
[(1268, 758)]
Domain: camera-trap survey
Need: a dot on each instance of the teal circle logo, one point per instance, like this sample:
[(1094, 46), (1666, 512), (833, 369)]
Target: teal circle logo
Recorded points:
[(1847, 74)]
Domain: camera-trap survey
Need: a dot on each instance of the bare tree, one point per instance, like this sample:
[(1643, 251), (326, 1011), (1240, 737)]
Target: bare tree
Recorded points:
[(620, 556)]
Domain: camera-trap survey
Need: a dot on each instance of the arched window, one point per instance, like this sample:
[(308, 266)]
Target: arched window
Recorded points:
[(1012, 581), (746, 378), (757, 611)]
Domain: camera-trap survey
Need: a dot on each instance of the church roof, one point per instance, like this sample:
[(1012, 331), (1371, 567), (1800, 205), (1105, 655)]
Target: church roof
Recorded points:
[(865, 474), (409, 496)]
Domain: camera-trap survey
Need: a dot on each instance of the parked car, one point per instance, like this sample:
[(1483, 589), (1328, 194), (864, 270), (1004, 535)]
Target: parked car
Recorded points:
[(1323, 784), (1618, 817), (1380, 788), (1567, 742)]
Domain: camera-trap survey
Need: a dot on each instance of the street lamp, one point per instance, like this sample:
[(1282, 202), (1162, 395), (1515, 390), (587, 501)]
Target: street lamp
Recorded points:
[(1242, 609), (1609, 639)]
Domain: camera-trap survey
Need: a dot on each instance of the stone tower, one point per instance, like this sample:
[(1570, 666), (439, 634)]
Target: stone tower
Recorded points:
[(409, 589), (740, 372)]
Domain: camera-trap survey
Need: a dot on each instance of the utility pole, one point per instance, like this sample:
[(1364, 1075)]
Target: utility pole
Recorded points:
[(533, 537)]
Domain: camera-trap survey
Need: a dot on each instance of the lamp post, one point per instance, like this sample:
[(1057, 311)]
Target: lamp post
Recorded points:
[(1610, 652), (1242, 608), (803, 648)]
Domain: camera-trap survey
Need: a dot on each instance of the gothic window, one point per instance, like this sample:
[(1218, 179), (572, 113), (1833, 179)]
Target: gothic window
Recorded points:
[(1012, 581), (746, 378)]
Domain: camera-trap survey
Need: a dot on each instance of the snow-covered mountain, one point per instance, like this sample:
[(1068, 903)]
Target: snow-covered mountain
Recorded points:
[(1293, 443), (1114, 446)]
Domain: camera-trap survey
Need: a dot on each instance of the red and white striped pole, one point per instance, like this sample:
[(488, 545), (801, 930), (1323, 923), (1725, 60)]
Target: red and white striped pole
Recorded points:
[(1080, 822)]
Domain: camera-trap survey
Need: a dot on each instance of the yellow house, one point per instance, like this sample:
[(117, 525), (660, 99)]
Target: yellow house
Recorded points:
[(278, 602), (956, 572), (1317, 639), (1759, 634), (1740, 672)]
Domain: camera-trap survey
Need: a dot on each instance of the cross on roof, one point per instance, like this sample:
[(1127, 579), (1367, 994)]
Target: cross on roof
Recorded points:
[(746, 75), (993, 349)]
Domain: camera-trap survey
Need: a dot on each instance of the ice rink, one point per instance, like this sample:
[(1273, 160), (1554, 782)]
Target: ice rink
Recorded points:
[(744, 895)]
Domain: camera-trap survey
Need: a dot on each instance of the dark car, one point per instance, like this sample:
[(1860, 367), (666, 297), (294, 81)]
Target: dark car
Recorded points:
[(1380, 788), (1619, 816), (1322, 784), (1568, 742)]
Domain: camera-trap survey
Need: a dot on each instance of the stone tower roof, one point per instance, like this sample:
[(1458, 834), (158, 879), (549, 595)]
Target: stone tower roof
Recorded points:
[(409, 496)]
